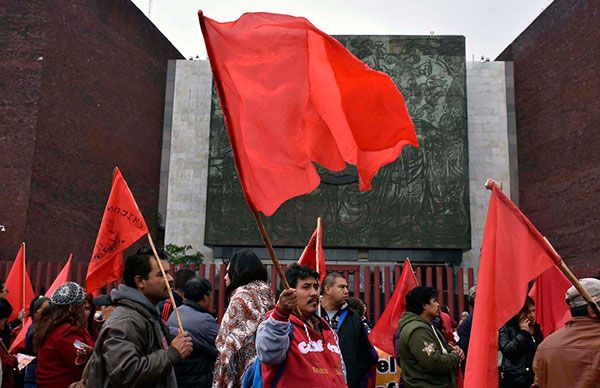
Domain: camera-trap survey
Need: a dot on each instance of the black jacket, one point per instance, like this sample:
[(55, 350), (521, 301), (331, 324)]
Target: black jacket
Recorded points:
[(518, 348), (354, 344)]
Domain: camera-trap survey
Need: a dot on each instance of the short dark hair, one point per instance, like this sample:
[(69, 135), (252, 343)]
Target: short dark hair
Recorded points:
[(356, 305), (5, 308), (580, 311), (139, 264), (330, 279), (35, 304), (419, 297), (195, 289), (514, 321), (245, 267), (181, 278), (297, 272)]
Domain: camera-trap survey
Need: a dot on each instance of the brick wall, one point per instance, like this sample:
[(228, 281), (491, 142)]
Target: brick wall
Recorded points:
[(557, 92), (82, 91)]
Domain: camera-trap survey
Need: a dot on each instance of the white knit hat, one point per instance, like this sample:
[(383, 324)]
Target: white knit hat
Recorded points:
[(67, 294)]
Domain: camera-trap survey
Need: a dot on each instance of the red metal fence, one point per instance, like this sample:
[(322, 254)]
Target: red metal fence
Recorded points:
[(374, 284)]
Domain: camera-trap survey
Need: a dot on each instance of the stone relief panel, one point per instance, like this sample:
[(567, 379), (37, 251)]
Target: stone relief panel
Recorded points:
[(419, 201)]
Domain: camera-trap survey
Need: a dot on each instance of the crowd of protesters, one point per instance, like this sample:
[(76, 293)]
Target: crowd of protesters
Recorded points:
[(311, 335)]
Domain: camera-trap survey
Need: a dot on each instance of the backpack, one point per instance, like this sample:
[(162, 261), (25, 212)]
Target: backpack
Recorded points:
[(253, 377)]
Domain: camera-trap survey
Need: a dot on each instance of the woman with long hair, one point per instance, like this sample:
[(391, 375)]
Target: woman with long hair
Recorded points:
[(61, 338), (518, 340), (37, 306), (89, 309), (250, 298)]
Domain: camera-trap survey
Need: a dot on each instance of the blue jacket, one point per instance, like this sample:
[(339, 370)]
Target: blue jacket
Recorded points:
[(196, 370)]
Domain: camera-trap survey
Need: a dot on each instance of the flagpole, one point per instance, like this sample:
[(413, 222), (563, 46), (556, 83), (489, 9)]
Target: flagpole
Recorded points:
[(23, 279), (318, 257), (162, 270), (563, 267), (267, 241)]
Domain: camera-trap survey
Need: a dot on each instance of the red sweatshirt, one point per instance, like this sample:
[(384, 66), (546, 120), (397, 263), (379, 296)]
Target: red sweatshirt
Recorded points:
[(56, 357), (309, 362)]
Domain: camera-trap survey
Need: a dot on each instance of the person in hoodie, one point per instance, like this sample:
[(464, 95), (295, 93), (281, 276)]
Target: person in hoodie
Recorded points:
[(354, 340), (426, 359), (295, 346), (134, 347), (197, 319), (250, 298)]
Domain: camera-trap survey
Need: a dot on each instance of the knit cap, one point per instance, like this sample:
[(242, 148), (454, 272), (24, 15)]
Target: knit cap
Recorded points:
[(67, 294)]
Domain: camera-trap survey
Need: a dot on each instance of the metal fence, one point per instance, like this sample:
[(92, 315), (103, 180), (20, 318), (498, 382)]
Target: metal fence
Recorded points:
[(374, 284)]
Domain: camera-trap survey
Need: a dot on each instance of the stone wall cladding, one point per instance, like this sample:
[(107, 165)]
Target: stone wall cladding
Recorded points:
[(557, 91)]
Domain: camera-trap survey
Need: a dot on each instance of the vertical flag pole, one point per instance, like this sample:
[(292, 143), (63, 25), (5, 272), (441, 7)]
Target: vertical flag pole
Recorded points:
[(164, 274), (267, 241), (23, 280), (318, 257)]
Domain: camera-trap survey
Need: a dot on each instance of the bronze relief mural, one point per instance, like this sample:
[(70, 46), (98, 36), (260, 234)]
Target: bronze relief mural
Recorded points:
[(419, 201)]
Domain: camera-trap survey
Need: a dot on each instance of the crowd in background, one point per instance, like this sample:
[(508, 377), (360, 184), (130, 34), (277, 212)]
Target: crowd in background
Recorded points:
[(310, 335)]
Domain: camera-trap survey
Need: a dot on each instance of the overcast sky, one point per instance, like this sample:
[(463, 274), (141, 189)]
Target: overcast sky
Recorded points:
[(488, 25)]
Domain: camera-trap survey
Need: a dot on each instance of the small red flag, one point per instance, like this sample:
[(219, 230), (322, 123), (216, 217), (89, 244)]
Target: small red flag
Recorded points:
[(122, 225), (382, 334), (309, 255), (61, 279), (20, 291), (548, 292), (292, 95), (513, 253)]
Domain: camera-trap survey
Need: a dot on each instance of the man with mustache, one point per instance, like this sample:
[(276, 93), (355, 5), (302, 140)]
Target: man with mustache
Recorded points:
[(354, 342), (134, 348), (296, 347)]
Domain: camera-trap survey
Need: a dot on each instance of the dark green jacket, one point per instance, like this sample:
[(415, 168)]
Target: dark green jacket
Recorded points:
[(421, 358)]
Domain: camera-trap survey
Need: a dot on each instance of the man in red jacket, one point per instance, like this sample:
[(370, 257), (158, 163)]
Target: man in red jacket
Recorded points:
[(294, 345)]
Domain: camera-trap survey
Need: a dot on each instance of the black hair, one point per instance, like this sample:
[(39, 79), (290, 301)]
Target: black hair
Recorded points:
[(195, 289), (419, 297), (357, 305), (5, 308), (580, 311), (445, 309), (514, 321), (297, 272), (245, 267), (35, 304), (181, 278), (139, 264)]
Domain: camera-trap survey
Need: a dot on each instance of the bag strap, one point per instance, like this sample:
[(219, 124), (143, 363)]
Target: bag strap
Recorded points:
[(341, 319)]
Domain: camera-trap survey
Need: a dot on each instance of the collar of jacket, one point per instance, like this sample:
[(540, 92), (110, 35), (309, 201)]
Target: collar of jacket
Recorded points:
[(196, 306), (131, 297)]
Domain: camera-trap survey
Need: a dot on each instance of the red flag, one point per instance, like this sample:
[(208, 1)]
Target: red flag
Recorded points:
[(122, 225), (292, 95), (309, 256), (548, 292), (513, 253), (61, 279), (20, 291), (382, 334)]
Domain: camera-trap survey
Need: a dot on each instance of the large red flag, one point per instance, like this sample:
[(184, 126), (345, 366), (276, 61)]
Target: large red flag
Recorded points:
[(382, 334), (122, 225), (292, 95), (61, 279), (309, 255), (548, 292), (513, 253), (20, 291)]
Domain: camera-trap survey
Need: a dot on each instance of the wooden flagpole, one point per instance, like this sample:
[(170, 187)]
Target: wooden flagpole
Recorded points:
[(23, 280), (563, 268), (318, 258), (164, 274), (267, 241)]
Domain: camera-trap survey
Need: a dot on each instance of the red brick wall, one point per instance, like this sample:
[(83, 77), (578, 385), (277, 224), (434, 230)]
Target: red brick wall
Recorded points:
[(557, 91), (94, 101)]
